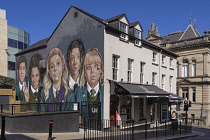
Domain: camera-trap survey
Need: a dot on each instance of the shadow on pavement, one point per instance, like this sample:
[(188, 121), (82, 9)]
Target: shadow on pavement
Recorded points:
[(18, 137)]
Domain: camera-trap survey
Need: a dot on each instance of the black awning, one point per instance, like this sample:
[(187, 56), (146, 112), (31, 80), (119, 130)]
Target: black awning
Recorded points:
[(175, 98), (139, 90)]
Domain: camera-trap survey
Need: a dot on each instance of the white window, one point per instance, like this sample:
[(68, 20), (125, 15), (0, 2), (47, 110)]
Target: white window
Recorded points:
[(137, 33), (130, 67), (194, 94), (142, 65), (193, 68), (163, 60), (154, 57), (154, 78), (171, 62), (170, 83), (124, 28), (185, 93), (185, 68), (115, 67), (163, 81)]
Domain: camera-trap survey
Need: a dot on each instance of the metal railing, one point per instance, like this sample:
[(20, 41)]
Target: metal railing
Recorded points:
[(38, 107), (131, 130)]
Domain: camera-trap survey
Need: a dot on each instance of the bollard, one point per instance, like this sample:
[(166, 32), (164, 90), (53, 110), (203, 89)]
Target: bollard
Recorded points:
[(2, 128), (50, 130)]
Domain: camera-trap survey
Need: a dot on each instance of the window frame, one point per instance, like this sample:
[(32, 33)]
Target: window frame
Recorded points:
[(166, 111), (123, 27), (194, 94), (163, 60), (130, 70), (154, 57), (185, 68), (154, 78), (170, 84), (115, 67), (193, 68), (163, 81), (171, 63), (185, 93), (137, 33), (142, 67)]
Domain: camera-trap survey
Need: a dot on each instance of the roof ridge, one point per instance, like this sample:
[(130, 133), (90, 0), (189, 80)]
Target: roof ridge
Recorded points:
[(114, 18), (91, 15)]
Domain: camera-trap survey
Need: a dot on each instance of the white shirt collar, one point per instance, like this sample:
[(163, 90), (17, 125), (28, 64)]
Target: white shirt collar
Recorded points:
[(96, 88), (54, 91), (21, 86), (72, 82), (33, 90)]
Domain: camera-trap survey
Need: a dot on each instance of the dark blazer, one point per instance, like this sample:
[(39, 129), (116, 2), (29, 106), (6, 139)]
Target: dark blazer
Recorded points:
[(70, 99), (81, 96), (48, 105), (33, 99)]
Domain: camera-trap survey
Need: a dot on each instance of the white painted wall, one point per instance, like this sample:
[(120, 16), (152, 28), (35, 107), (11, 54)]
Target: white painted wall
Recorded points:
[(113, 45)]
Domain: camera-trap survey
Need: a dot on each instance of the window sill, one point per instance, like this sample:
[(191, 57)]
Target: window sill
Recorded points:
[(171, 68), (154, 63), (124, 39), (164, 66), (140, 46)]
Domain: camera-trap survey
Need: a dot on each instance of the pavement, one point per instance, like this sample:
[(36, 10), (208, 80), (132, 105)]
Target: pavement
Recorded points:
[(78, 136)]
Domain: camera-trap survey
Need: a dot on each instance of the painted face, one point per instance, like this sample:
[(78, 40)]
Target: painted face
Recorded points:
[(35, 77), (74, 62), (56, 68), (92, 73), (22, 72)]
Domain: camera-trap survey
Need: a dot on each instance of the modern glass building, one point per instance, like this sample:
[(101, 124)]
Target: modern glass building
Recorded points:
[(12, 40), (17, 41)]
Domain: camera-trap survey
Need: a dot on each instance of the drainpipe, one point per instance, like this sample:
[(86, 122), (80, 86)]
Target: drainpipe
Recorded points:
[(159, 86), (159, 69)]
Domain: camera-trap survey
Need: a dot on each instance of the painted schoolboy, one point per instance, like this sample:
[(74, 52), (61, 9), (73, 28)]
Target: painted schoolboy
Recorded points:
[(21, 84)]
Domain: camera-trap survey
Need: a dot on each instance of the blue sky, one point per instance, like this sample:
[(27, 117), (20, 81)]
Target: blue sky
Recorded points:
[(40, 17)]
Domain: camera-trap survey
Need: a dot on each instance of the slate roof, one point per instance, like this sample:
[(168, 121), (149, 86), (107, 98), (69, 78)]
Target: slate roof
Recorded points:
[(133, 24), (115, 18), (38, 45), (190, 32), (43, 43), (172, 37)]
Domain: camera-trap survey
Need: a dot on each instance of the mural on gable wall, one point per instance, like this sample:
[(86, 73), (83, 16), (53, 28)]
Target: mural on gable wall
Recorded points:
[(76, 76)]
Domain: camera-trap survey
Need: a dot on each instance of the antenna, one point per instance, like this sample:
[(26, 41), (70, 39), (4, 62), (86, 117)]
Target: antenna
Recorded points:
[(194, 22), (190, 19)]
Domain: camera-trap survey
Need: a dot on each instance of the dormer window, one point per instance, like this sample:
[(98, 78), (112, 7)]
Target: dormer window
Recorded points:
[(123, 27), (137, 33)]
